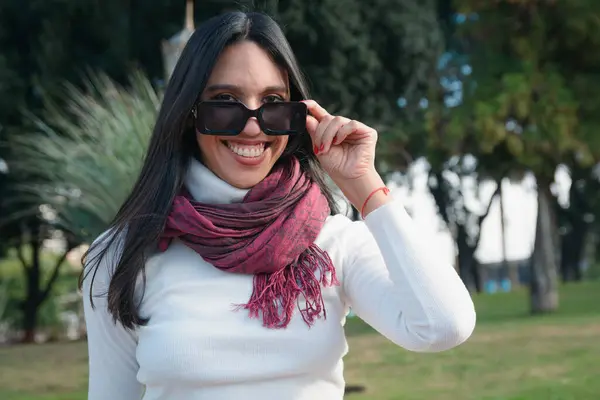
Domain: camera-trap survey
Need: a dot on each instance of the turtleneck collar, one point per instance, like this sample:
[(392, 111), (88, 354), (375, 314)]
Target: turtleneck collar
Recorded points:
[(206, 187)]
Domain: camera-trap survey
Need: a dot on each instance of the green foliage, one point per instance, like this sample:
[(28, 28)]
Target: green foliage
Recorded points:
[(535, 67), (13, 290), (88, 153), (593, 273), (48, 313), (362, 56), (359, 56), (47, 42)]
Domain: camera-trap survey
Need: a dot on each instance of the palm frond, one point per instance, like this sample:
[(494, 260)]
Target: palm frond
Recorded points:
[(83, 158)]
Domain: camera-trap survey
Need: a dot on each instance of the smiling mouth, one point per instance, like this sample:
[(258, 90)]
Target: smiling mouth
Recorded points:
[(247, 150)]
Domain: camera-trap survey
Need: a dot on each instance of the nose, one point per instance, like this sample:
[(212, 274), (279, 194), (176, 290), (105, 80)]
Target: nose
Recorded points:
[(252, 128)]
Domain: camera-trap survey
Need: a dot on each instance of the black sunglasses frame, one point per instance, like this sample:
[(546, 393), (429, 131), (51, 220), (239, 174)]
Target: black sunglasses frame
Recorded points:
[(248, 113)]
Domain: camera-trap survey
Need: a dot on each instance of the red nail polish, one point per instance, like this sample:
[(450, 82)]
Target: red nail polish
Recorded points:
[(315, 149), (322, 147)]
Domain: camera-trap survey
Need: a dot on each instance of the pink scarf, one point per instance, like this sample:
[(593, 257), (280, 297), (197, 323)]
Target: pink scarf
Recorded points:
[(270, 234)]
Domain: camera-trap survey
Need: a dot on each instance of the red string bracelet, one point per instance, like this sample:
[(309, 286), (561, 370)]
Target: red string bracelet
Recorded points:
[(385, 191)]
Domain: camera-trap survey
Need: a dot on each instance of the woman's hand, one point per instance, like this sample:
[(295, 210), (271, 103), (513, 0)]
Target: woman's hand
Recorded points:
[(346, 150)]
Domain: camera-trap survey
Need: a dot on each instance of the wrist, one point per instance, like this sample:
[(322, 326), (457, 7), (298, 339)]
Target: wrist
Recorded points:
[(366, 193)]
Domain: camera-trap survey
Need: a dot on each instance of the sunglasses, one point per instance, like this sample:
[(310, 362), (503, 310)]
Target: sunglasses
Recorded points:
[(228, 118)]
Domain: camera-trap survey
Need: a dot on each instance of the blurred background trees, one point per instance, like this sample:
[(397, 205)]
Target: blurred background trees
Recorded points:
[(526, 107), (487, 113), (484, 95)]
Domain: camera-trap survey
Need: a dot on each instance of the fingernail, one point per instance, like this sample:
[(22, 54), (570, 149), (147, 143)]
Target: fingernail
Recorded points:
[(322, 148), (315, 149)]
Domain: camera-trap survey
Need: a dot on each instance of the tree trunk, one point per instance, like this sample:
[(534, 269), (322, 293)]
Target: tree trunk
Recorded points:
[(566, 255), (466, 261), (36, 292), (544, 275), (572, 252), (580, 240), (32, 299), (30, 314), (476, 274), (502, 226)]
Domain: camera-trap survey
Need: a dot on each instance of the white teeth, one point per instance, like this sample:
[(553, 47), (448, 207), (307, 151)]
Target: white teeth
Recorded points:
[(246, 150)]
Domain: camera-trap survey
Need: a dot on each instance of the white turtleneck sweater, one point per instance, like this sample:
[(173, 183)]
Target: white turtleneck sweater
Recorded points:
[(196, 348)]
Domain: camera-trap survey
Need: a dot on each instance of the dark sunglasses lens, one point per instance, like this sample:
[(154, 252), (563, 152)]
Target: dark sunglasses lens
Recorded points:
[(284, 118), (221, 118)]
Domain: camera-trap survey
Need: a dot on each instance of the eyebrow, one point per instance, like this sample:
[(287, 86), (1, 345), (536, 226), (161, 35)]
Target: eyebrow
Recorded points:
[(234, 88)]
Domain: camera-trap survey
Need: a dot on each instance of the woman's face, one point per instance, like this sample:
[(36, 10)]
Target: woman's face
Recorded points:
[(244, 72)]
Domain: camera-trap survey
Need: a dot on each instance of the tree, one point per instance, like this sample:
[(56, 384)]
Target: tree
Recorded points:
[(359, 57), (448, 183), (26, 234), (88, 153), (525, 100), (37, 291), (43, 44), (577, 219), (363, 56), (456, 168)]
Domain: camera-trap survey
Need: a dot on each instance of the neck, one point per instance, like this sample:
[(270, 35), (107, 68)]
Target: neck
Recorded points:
[(206, 187)]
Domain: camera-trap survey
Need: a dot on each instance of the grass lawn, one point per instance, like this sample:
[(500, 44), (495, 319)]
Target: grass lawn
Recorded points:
[(511, 356)]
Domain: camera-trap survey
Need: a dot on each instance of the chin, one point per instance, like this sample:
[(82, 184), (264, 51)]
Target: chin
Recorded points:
[(245, 179)]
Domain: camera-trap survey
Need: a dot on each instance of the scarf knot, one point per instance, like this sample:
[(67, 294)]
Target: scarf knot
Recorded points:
[(270, 235)]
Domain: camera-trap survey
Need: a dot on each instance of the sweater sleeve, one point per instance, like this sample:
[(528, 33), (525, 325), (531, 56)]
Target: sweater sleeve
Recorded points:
[(111, 348), (396, 280)]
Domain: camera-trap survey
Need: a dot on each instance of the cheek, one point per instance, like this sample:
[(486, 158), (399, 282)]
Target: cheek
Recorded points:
[(207, 145), (280, 145)]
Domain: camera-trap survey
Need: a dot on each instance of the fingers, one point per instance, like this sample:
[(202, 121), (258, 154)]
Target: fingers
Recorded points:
[(327, 130), (316, 129), (311, 125), (352, 127), (331, 133), (315, 110), (318, 137)]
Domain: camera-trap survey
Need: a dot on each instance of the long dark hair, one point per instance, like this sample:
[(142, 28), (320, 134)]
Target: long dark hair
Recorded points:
[(140, 221)]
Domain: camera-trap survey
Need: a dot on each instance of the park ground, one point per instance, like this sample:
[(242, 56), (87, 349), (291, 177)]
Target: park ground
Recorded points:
[(511, 356)]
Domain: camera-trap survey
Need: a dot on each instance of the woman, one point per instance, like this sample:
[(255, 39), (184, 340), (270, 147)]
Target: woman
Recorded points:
[(224, 276)]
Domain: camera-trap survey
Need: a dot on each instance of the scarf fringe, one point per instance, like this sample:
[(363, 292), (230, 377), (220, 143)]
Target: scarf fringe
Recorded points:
[(275, 295)]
